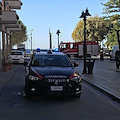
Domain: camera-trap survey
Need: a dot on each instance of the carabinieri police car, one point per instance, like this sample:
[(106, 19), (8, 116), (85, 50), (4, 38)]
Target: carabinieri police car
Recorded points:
[(51, 73)]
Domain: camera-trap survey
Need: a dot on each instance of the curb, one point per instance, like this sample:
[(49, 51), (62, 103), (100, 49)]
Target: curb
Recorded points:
[(106, 92)]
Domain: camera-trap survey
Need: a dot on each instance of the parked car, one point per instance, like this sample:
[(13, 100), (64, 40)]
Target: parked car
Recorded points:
[(16, 56), (51, 73)]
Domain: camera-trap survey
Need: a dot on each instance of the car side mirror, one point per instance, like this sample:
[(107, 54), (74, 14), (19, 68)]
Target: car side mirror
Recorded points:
[(25, 63), (76, 64)]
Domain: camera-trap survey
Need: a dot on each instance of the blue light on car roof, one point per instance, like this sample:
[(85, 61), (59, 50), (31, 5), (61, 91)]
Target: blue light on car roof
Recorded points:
[(38, 50), (56, 50)]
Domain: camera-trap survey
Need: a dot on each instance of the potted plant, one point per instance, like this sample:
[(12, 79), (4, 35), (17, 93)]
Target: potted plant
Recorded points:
[(5, 66)]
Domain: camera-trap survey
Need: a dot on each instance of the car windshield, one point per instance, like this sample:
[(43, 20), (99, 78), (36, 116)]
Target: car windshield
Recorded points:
[(51, 60), (16, 53)]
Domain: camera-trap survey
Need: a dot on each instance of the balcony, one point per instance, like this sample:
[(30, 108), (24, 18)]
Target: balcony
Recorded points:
[(12, 25), (16, 29), (8, 17), (14, 4)]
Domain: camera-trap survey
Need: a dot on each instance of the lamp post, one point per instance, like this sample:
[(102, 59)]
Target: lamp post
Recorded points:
[(118, 38), (31, 40), (84, 14), (58, 31), (50, 35)]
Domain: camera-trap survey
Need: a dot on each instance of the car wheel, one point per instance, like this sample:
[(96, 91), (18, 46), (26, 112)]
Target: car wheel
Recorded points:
[(27, 92)]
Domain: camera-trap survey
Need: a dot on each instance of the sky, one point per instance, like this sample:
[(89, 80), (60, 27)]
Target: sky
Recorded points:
[(41, 15)]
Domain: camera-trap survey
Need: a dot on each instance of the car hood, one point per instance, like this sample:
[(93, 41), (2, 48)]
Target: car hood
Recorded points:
[(54, 72)]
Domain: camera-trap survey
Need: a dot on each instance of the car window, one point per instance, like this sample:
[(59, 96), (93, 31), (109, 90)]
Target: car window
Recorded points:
[(16, 53), (51, 60)]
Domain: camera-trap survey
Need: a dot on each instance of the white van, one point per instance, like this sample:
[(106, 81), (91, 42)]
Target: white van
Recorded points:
[(114, 49)]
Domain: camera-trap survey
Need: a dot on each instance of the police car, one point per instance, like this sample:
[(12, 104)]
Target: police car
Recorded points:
[(16, 56), (51, 73)]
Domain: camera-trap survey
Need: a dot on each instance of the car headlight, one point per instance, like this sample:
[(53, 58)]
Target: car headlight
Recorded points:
[(33, 78), (75, 78)]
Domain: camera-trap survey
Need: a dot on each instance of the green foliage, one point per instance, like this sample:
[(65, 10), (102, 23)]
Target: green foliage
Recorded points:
[(112, 7), (77, 34), (19, 37), (95, 29), (111, 10), (112, 35)]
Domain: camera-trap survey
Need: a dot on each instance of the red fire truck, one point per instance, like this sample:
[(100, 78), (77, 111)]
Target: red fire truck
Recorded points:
[(75, 49)]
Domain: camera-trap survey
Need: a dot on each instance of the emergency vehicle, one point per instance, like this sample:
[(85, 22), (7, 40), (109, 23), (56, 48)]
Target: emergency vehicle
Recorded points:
[(51, 73), (75, 49)]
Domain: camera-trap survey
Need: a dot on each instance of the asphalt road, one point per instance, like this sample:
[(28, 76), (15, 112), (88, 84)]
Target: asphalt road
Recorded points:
[(93, 105)]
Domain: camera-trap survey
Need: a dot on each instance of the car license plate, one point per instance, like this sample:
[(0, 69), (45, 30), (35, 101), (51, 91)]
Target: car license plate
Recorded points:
[(56, 88), (15, 61)]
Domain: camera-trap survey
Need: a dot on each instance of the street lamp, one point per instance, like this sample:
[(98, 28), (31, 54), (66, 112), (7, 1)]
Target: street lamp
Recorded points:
[(58, 31), (118, 38), (84, 14), (31, 40), (50, 35)]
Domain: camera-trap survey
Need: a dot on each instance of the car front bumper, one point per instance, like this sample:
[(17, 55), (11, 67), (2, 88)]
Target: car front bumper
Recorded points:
[(46, 88)]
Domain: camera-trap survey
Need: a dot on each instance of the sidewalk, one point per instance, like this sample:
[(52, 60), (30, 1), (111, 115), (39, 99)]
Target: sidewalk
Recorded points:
[(5, 77), (105, 77)]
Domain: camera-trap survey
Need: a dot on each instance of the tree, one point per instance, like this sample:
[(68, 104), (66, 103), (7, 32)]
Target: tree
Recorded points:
[(112, 7), (95, 29), (112, 34), (19, 37), (77, 34), (111, 10)]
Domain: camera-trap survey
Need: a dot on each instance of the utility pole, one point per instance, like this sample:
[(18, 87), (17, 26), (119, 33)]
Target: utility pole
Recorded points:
[(58, 32), (31, 41), (3, 36), (50, 39), (118, 38)]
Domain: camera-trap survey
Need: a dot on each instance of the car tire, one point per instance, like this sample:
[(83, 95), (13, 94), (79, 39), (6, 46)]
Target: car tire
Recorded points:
[(27, 92)]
